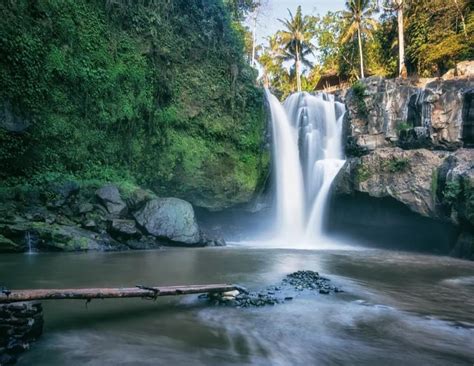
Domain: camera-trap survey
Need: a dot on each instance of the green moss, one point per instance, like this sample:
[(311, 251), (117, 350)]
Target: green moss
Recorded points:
[(358, 89), (363, 173), (451, 192), (8, 246), (136, 93), (434, 184), (403, 126), (469, 200), (396, 165)]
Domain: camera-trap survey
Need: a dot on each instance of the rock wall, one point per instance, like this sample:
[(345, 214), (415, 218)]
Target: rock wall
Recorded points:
[(20, 324), (412, 141), (66, 217), (438, 114)]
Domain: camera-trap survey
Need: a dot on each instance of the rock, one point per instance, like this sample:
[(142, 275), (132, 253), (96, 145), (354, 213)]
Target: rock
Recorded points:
[(170, 218), (396, 112), (6, 359), (90, 224), (58, 237), (464, 247), (371, 142), (124, 228), (10, 121), (21, 324), (212, 242), (138, 198), (455, 187), (407, 176), (233, 293), (145, 242), (109, 195), (462, 69), (61, 193), (414, 138), (8, 246), (85, 208)]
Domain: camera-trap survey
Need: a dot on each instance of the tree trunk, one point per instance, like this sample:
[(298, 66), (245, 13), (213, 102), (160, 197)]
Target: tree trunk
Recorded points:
[(110, 293), (360, 53), (254, 40), (401, 40), (298, 77), (463, 21)]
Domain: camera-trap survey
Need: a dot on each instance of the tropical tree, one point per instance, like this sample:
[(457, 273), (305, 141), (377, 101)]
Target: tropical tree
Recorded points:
[(269, 60), (296, 40), (439, 34), (397, 6), (359, 21)]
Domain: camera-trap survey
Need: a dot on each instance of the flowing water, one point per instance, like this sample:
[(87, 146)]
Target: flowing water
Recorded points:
[(397, 309), (307, 155)]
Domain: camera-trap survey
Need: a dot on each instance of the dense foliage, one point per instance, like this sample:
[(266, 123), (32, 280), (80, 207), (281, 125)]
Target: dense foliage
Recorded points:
[(155, 92), (363, 40)]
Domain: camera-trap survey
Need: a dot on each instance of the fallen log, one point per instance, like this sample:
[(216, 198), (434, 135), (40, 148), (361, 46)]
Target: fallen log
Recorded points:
[(111, 293)]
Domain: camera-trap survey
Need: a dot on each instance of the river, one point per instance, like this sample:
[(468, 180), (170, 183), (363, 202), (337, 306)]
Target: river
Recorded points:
[(397, 308)]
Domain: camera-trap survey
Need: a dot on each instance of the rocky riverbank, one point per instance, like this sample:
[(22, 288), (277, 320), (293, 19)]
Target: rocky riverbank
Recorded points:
[(412, 141), (68, 217), (293, 284)]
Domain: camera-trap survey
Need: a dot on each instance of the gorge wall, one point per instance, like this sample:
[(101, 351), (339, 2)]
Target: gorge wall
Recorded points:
[(155, 93), (412, 141)]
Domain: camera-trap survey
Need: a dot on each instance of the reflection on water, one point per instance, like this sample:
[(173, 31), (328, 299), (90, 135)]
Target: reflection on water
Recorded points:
[(398, 308)]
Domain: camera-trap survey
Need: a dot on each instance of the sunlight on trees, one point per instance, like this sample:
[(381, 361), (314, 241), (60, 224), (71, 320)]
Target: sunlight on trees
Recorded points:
[(391, 38)]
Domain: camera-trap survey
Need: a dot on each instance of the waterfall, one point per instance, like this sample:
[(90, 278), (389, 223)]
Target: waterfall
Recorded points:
[(307, 155), (288, 175), (30, 240)]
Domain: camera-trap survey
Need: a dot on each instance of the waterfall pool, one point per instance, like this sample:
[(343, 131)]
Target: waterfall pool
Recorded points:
[(397, 308)]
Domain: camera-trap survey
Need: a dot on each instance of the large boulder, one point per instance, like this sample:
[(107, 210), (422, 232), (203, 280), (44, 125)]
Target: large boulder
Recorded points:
[(407, 176), (123, 228), (109, 195), (436, 184), (171, 219)]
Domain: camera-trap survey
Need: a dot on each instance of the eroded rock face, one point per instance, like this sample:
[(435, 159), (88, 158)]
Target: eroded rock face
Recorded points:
[(56, 237), (436, 184), (396, 112), (110, 197), (21, 323), (170, 218), (406, 176)]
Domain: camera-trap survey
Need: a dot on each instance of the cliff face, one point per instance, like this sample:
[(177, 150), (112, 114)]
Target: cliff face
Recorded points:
[(413, 143), (153, 93)]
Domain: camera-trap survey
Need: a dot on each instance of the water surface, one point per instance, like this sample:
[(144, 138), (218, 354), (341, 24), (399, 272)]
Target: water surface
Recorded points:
[(398, 308)]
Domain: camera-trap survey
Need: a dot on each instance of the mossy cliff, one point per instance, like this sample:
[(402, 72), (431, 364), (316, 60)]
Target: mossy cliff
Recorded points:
[(154, 93)]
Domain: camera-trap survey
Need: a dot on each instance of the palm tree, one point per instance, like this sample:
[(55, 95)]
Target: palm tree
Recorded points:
[(296, 41), (359, 20), (397, 6)]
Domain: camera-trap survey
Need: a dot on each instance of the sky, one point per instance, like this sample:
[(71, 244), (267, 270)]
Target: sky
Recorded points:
[(268, 22)]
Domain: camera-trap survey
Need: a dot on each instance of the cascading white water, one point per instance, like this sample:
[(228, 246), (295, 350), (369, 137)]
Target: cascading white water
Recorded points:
[(307, 155), (288, 175)]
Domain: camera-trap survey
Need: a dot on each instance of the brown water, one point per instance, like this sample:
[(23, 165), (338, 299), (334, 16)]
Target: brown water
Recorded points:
[(398, 308)]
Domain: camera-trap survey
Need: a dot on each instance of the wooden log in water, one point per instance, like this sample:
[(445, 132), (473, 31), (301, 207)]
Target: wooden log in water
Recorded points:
[(111, 293)]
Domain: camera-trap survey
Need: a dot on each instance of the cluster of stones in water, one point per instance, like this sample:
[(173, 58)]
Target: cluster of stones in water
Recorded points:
[(20, 324), (297, 281)]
